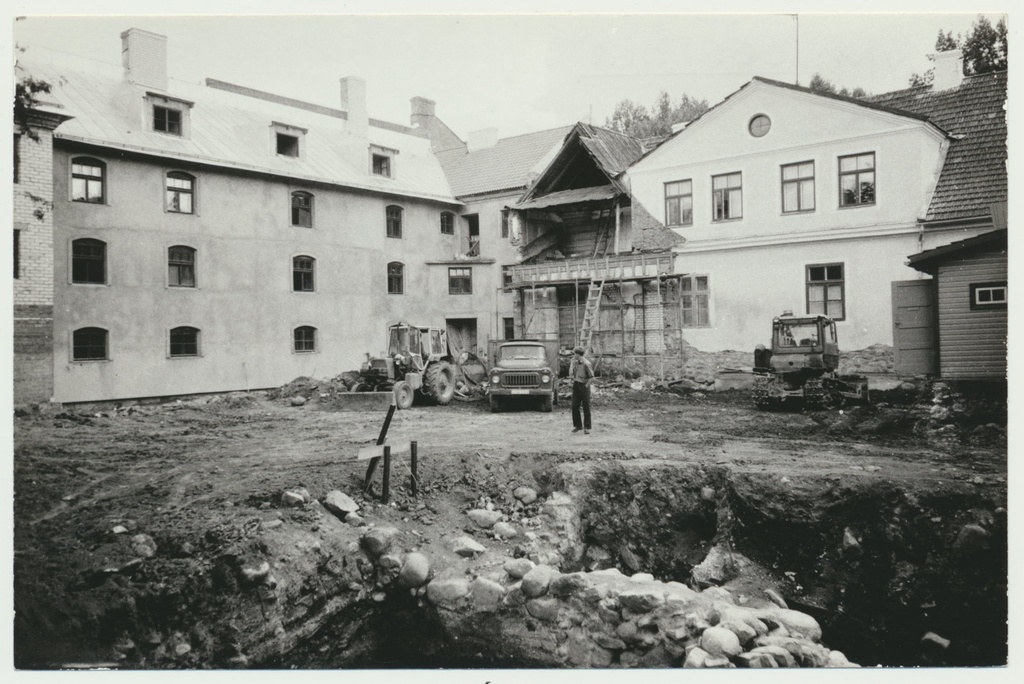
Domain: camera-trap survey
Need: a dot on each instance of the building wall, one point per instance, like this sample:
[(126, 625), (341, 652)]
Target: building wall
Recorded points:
[(243, 301), (972, 342), (33, 283)]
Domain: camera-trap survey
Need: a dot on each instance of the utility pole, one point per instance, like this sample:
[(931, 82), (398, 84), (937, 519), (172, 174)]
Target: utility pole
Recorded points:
[(797, 18)]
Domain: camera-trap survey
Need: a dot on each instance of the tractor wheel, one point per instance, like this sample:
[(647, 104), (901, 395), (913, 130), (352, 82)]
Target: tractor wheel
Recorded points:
[(361, 387), (762, 399), (439, 382), (545, 404), (831, 399), (495, 406), (403, 394)]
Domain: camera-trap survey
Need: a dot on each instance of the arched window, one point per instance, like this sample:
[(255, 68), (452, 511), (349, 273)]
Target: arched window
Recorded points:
[(88, 180), (302, 273), (302, 209), (89, 261), (89, 344), (305, 339), (181, 266), (396, 277), (184, 341), (447, 223), (181, 189), (393, 218)]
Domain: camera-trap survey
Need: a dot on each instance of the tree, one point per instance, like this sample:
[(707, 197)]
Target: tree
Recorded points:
[(820, 84), (26, 91), (635, 120), (986, 49)]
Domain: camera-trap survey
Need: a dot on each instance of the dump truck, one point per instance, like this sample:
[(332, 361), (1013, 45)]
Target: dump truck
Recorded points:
[(523, 370), (417, 362), (802, 364)]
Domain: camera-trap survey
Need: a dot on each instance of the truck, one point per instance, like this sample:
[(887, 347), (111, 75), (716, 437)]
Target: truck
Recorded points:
[(523, 370), (802, 365), (417, 362)]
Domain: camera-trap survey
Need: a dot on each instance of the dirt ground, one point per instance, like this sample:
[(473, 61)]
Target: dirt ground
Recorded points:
[(196, 475)]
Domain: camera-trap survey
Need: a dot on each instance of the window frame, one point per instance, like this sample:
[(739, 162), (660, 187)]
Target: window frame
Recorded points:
[(175, 266), (506, 223), (16, 254), (460, 283), (450, 221), (93, 162), (167, 123), (296, 133), (74, 346), (678, 200), (991, 286), (301, 275), (313, 342), (190, 192), (183, 108), (194, 342), (395, 278), (697, 296), (726, 197), (826, 283), (393, 221), (299, 195), (508, 324), (856, 173), (103, 258), (798, 182)]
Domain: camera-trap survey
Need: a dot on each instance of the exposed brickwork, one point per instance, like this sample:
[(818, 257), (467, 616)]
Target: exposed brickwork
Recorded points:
[(33, 354), (648, 232), (33, 217)]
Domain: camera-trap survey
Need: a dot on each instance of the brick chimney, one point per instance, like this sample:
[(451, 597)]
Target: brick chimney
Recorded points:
[(144, 57), (483, 139), (422, 112), (949, 69), (353, 101)]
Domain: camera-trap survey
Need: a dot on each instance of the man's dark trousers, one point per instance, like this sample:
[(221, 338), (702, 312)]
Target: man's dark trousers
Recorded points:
[(580, 398)]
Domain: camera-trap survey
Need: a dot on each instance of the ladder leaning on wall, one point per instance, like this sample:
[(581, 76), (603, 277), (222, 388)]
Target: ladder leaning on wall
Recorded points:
[(586, 333)]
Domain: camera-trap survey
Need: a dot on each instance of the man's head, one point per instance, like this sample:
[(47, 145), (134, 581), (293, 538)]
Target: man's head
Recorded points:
[(578, 351)]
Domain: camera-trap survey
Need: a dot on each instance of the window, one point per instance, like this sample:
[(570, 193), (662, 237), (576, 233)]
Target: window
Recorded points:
[(393, 218), (460, 281), (695, 301), (305, 339), (679, 203), (381, 165), (17, 253), (727, 194), (181, 266), (798, 187), (759, 126), (87, 179), (509, 325), (857, 180), (473, 231), (505, 223), (180, 192), (302, 209), (88, 262), (506, 276), (988, 295), (167, 120), (396, 275), (302, 273), (184, 341), (447, 223), (825, 291), (89, 344), (287, 145)]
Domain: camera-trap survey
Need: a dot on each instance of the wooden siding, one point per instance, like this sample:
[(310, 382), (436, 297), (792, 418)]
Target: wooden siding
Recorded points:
[(972, 343)]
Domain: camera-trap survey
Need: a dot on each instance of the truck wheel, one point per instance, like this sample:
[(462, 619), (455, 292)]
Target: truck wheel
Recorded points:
[(439, 381), (545, 404), (403, 394), (495, 406)]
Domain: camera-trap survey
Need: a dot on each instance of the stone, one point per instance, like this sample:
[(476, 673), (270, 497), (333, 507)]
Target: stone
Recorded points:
[(536, 581), (484, 518), (568, 585), (272, 524), (355, 520), (641, 600), (518, 567), (505, 530), (719, 641), (545, 608), (390, 561), (756, 660), (608, 611), (776, 598), (972, 539), (292, 499), (850, 541), (719, 566), (119, 529), (608, 641), (298, 401), (931, 639), (641, 577), (556, 504), (143, 546), (415, 570), (806, 653), (799, 624), (707, 493), (699, 658), (257, 574), (466, 547), (744, 632), (487, 594), (377, 541), (340, 504), (838, 659), (525, 494), (447, 591), (783, 658)]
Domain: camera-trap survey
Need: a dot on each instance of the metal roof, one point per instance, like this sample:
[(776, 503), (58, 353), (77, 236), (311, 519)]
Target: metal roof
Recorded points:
[(563, 197), (928, 260)]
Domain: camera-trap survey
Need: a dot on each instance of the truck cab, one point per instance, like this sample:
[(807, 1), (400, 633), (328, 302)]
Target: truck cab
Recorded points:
[(523, 370)]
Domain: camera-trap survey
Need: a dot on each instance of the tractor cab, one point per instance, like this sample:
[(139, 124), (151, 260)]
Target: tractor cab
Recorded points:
[(412, 347)]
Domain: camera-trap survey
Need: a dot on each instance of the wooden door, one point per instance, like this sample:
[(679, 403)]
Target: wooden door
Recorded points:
[(914, 327)]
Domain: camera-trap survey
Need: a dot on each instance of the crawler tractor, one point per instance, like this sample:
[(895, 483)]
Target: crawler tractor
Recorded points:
[(801, 366), (417, 361)]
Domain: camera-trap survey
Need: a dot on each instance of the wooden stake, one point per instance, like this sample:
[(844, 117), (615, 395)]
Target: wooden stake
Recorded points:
[(385, 491), (380, 440), (414, 477)]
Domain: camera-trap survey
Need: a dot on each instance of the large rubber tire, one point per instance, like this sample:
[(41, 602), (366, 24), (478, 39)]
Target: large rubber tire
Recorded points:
[(545, 404), (439, 382), (403, 395), (495, 405)]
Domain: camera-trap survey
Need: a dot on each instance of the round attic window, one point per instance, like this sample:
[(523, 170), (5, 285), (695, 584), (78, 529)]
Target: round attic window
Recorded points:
[(759, 125)]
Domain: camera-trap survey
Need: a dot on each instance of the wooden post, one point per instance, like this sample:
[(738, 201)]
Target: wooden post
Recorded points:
[(414, 478), (380, 440), (385, 490)]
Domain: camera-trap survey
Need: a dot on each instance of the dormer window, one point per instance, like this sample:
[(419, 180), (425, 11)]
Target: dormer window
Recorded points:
[(382, 161), (287, 141), (288, 145), (167, 120), (168, 115)]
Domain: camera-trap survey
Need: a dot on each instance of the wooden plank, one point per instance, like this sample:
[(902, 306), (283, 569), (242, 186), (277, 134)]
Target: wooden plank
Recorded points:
[(377, 451)]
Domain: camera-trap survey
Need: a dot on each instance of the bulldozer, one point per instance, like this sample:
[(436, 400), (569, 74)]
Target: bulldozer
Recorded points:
[(417, 362), (802, 364)]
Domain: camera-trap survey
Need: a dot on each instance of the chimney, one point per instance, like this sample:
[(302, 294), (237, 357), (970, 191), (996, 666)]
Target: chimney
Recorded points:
[(422, 111), (144, 57), (949, 69), (483, 139), (353, 101)]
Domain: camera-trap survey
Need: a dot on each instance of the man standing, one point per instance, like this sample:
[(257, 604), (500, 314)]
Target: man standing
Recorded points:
[(581, 373)]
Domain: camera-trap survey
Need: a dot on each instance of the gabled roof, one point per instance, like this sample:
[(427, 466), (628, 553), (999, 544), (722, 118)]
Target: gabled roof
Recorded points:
[(506, 166), (230, 127), (974, 174), (929, 260), (612, 150)]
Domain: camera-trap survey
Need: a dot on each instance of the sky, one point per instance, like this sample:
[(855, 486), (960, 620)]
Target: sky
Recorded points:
[(519, 71)]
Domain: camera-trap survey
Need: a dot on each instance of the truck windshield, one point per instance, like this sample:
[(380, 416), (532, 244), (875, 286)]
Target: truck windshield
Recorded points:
[(398, 341), (796, 334), (523, 353)]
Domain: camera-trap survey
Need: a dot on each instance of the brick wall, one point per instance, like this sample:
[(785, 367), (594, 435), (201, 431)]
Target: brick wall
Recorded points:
[(648, 232), (33, 354)]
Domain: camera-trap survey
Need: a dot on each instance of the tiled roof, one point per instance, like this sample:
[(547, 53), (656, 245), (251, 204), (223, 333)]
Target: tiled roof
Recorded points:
[(974, 174), (575, 196), (231, 129), (614, 151), (506, 166)]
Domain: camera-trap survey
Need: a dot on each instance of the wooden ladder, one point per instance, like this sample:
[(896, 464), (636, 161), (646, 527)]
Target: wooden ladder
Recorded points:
[(604, 229), (590, 314)]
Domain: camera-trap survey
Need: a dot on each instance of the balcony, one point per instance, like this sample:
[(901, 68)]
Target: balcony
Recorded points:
[(568, 271)]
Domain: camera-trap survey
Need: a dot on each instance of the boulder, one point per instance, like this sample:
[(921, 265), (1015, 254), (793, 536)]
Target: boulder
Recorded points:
[(340, 504), (525, 494), (447, 591), (798, 624), (484, 518), (756, 660), (518, 567), (608, 641), (719, 641), (377, 541), (292, 499), (641, 600), (783, 658), (143, 546), (298, 401), (536, 581), (467, 547), (487, 594), (698, 657), (545, 608), (415, 570), (568, 585), (505, 530)]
